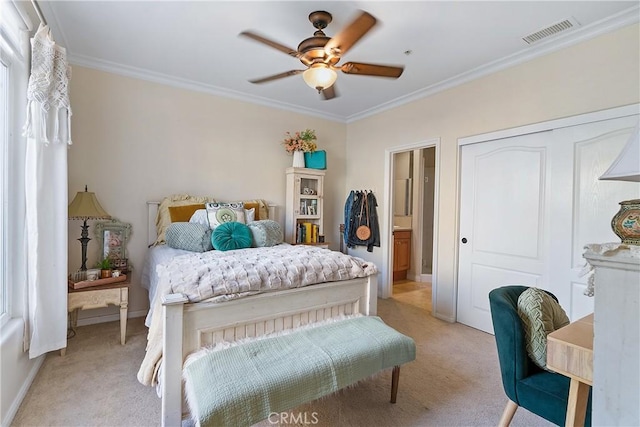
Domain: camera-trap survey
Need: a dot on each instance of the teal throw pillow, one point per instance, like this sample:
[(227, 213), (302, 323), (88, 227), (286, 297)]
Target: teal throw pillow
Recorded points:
[(231, 235), (540, 314)]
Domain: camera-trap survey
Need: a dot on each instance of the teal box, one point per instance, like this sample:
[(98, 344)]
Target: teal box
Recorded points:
[(316, 160)]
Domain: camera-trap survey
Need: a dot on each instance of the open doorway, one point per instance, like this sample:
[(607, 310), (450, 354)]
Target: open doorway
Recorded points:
[(412, 219)]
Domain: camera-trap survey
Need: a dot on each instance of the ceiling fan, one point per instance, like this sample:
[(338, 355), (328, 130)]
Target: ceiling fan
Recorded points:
[(321, 54)]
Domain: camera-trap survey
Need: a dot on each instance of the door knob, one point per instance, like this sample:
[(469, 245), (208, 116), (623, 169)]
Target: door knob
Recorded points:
[(464, 240)]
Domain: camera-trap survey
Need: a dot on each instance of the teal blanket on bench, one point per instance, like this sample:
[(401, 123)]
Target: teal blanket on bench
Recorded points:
[(243, 384)]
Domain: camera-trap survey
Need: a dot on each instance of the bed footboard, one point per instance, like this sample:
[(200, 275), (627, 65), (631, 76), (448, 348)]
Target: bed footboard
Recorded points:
[(188, 327)]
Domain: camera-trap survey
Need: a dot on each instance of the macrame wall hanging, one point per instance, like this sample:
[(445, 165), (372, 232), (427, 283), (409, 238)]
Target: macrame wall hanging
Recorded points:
[(48, 108)]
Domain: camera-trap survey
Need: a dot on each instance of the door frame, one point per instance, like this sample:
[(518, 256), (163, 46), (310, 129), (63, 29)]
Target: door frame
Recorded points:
[(387, 251), (580, 119)]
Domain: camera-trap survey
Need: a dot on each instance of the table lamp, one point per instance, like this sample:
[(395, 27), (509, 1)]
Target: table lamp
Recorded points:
[(626, 167), (86, 206)]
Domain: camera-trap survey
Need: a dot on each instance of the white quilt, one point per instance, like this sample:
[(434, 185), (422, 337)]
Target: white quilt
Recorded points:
[(221, 276), (232, 274)]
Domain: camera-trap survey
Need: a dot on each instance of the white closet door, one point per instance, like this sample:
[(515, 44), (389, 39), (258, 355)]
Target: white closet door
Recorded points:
[(504, 186), (582, 206), (528, 206)]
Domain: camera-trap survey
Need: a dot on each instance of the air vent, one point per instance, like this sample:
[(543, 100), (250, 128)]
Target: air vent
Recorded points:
[(551, 30)]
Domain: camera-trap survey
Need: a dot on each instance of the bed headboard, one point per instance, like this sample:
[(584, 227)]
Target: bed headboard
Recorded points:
[(152, 213)]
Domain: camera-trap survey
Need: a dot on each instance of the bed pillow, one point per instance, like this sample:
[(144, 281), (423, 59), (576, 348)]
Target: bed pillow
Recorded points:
[(219, 213), (262, 210), (256, 209), (200, 216), (249, 215), (266, 233), (189, 236), (163, 218), (540, 314), (183, 213), (231, 235)]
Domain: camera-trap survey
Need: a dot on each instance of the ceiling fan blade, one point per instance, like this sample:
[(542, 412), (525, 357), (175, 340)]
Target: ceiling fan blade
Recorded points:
[(271, 43), (372, 69), (348, 36), (277, 76), (329, 93)]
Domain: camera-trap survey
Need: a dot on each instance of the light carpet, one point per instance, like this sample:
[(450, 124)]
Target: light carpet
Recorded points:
[(454, 381)]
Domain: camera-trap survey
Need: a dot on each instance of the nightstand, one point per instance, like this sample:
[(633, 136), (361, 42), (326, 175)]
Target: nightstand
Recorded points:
[(98, 297)]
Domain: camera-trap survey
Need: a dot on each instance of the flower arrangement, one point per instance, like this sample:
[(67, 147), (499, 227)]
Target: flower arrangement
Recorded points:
[(300, 141)]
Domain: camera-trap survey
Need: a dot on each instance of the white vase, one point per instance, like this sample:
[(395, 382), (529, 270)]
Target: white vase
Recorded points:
[(298, 159)]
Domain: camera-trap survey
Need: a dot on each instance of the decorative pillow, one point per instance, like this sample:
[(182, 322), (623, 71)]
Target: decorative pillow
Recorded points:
[(540, 314), (256, 210), (163, 219), (183, 213), (249, 215), (219, 213), (260, 206), (189, 236), (231, 235), (262, 210), (266, 233), (200, 216)]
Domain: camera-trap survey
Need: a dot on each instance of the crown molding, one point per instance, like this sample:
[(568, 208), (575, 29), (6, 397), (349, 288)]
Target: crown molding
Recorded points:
[(622, 19), (155, 77), (581, 34)]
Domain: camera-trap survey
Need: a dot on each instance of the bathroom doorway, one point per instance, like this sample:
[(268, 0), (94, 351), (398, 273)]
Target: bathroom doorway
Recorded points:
[(412, 225)]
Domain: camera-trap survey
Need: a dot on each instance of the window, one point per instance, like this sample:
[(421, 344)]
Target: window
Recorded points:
[(14, 75), (4, 139)]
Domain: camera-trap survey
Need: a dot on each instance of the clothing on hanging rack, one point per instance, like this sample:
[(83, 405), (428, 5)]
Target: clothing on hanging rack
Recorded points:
[(360, 210)]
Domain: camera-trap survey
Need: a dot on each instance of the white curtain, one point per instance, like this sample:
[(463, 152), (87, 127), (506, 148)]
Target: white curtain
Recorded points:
[(48, 135)]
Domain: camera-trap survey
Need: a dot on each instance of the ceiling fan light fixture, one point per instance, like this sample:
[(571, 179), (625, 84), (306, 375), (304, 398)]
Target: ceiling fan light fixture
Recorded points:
[(319, 77)]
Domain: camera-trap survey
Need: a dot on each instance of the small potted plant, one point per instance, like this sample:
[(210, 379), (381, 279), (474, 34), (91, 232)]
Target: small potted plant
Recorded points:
[(105, 268)]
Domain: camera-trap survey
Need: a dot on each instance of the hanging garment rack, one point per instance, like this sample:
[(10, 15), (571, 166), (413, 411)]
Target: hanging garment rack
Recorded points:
[(36, 6)]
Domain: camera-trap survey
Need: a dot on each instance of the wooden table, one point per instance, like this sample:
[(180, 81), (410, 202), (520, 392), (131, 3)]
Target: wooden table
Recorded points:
[(570, 353), (97, 297)]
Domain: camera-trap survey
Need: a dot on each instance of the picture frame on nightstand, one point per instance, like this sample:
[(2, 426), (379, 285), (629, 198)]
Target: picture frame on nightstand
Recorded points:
[(112, 237)]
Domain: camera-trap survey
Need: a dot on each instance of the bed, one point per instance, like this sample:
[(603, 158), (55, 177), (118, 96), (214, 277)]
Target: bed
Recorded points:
[(179, 326)]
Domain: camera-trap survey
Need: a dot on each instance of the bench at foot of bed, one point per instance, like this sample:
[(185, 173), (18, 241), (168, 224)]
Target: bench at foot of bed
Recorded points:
[(244, 383)]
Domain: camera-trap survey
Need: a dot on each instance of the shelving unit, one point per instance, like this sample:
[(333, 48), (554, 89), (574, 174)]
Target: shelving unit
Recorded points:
[(304, 206)]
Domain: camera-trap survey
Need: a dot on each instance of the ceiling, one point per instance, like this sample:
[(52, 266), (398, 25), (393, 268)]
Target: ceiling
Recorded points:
[(195, 45)]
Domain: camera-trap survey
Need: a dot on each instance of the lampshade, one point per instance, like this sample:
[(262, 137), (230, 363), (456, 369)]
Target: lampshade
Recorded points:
[(86, 206), (319, 76), (626, 167)]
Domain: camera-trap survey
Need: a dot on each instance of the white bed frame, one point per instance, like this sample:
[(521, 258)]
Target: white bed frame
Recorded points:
[(190, 326)]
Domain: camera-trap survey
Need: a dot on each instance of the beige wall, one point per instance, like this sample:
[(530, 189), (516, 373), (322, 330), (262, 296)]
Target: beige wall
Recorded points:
[(135, 141), (598, 74)]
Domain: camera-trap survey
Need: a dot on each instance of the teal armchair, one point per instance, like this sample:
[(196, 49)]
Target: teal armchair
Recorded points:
[(525, 384)]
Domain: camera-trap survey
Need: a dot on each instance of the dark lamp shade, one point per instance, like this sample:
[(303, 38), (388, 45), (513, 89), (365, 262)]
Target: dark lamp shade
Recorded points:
[(86, 206)]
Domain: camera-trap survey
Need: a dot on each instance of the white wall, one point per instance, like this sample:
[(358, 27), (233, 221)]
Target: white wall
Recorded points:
[(135, 141), (598, 74)]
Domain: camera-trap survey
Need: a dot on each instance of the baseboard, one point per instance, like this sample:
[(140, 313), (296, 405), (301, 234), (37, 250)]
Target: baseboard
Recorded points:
[(425, 278), (13, 409), (445, 318), (421, 277), (110, 318)]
